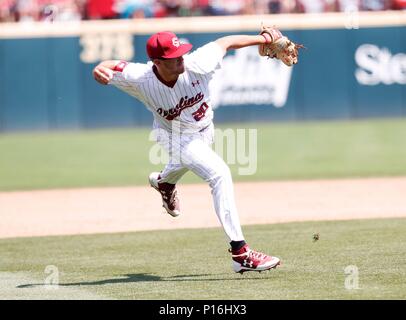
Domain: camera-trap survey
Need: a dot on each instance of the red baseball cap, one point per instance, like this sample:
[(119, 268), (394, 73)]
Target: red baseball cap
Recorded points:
[(166, 45)]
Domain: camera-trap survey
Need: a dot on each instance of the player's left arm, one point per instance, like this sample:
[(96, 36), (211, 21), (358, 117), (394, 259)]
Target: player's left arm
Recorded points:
[(239, 41)]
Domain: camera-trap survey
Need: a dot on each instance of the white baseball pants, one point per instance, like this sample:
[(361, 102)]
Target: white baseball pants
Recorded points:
[(193, 152)]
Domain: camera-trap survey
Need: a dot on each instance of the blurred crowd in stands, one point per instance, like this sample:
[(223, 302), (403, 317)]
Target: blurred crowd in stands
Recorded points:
[(74, 10)]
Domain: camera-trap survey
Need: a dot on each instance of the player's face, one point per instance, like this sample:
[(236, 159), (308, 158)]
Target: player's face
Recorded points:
[(173, 66)]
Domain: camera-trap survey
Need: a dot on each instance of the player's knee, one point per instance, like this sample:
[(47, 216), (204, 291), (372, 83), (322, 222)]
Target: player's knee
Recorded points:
[(221, 174)]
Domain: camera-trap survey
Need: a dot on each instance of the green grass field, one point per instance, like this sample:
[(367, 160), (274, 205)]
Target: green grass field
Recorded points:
[(195, 264), (285, 151)]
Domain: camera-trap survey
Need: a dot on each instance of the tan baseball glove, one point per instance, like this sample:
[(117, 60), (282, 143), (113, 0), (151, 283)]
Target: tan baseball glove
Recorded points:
[(278, 46)]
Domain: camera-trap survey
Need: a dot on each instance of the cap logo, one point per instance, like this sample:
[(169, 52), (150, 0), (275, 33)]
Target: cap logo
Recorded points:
[(175, 42)]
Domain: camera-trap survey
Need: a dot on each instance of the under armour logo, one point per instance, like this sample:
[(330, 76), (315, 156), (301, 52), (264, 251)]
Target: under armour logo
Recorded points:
[(246, 264), (195, 83)]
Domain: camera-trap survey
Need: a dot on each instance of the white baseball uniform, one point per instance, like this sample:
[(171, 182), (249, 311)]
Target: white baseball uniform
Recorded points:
[(183, 120)]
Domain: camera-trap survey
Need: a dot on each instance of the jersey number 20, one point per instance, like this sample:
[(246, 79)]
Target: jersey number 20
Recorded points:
[(199, 113)]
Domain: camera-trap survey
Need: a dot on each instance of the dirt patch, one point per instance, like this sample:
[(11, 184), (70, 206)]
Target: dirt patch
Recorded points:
[(84, 211)]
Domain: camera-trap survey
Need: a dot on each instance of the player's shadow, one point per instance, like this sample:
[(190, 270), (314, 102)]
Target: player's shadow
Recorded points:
[(141, 277)]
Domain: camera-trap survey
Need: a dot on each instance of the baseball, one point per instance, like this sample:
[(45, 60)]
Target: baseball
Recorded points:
[(109, 73)]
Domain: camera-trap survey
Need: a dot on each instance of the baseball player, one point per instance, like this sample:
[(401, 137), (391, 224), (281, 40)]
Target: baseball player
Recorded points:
[(174, 86)]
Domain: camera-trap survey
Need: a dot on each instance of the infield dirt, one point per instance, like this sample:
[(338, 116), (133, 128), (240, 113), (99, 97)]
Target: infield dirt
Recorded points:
[(105, 210)]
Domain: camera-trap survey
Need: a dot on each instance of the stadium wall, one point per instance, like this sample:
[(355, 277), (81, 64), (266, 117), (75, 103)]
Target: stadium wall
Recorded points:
[(354, 67)]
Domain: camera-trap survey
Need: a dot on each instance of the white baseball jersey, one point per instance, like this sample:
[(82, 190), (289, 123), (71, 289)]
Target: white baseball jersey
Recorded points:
[(187, 102)]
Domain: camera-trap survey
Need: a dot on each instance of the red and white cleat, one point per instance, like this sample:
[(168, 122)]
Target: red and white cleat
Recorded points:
[(170, 200), (246, 259)]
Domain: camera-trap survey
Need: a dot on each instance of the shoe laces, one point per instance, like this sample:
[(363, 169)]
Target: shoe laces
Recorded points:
[(252, 254), (256, 254), (169, 195)]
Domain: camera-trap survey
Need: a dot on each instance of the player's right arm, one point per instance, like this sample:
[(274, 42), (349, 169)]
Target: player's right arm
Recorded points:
[(104, 71), (126, 76)]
